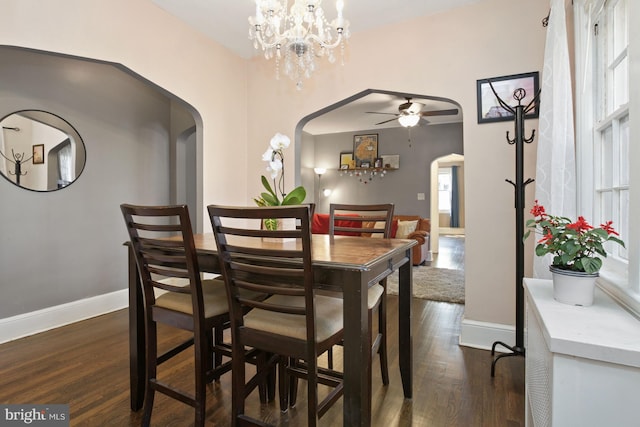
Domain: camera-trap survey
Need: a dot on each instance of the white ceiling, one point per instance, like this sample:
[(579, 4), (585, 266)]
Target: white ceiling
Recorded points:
[(225, 21)]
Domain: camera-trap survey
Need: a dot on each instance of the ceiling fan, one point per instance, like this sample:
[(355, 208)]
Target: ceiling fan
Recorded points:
[(410, 113)]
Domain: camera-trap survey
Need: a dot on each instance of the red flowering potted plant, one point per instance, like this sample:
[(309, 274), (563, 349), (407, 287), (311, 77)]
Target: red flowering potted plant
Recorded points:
[(576, 246)]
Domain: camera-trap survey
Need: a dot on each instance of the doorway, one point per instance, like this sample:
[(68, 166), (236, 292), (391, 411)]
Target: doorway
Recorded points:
[(447, 198)]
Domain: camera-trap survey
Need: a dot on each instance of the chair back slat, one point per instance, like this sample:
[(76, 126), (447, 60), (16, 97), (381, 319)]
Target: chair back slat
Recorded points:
[(169, 265), (269, 262), (356, 219)]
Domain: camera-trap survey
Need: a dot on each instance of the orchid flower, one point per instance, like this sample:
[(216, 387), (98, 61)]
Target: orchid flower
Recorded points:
[(279, 142), (274, 156)]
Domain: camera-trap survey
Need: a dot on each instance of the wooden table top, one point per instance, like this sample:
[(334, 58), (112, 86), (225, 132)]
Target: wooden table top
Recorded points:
[(341, 250)]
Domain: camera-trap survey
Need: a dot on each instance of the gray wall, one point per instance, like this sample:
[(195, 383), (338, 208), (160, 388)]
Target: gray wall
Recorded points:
[(400, 187), (66, 245)]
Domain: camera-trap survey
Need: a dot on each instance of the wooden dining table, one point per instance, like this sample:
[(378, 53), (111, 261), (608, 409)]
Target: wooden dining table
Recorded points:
[(345, 263)]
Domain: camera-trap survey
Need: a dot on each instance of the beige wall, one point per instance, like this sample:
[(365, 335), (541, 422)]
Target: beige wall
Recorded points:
[(242, 106), (449, 52)]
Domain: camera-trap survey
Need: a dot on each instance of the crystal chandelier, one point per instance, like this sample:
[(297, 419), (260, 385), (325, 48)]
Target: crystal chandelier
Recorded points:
[(299, 34)]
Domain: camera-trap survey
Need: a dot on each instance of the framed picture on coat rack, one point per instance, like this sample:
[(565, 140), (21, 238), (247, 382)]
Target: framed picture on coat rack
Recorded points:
[(489, 110)]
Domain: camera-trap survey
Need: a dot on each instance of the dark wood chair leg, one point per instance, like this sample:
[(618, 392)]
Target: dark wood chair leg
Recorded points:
[(312, 392), (238, 380), (382, 329), (283, 384), (271, 383), (152, 358), (293, 386), (217, 342), (203, 359)]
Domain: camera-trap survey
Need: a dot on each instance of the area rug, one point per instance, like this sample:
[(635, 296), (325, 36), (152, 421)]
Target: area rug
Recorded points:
[(436, 284)]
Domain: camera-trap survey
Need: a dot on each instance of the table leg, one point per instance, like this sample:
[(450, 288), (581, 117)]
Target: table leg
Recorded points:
[(137, 366), (357, 372), (405, 288)]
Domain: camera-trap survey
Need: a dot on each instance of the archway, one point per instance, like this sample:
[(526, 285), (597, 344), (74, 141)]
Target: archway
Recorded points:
[(360, 106)]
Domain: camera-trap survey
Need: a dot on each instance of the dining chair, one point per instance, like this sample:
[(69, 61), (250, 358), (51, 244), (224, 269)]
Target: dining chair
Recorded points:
[(175, 294), (376, 220), (293, 324)]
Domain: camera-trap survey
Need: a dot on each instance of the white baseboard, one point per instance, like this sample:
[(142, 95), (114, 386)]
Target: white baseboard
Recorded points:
[(26, 324), (482, 335), (450, 230)]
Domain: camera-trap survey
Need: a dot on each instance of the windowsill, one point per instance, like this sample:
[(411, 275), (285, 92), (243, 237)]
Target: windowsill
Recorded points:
[(616, 285), (603, 331), (614, 281)]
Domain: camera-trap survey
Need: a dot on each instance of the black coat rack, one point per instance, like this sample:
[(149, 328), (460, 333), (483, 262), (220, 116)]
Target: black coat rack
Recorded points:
[(519, 185)]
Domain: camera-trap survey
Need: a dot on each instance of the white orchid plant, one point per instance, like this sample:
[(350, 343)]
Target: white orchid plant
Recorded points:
[(275, 195)]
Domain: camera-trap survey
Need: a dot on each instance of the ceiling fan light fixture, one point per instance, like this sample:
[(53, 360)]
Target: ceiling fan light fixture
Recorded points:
[(408, 120)]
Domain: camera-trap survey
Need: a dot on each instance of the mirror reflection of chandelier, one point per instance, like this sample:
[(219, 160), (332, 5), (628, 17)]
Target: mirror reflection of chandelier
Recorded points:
[(299, 34)]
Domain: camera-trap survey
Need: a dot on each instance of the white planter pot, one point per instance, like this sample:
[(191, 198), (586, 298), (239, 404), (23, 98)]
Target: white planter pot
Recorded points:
[(573, 287)]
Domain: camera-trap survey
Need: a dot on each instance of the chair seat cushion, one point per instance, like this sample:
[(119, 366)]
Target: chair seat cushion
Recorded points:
[(214, 295), (329, 318), (375, 292)]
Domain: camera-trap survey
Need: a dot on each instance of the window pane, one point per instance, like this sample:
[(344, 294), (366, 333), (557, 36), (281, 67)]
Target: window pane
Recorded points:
[(606, 177), (623, 227), (444, 190), (606, 207), (619, 27), (444, 201), (624, 151), (621, 83)]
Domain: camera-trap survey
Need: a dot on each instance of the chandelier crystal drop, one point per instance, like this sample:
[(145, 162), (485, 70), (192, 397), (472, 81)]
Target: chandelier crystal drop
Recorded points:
[(296, 36)]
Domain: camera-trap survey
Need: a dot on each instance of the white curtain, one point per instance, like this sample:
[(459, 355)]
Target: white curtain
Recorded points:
[(556, 164), (65, 165)]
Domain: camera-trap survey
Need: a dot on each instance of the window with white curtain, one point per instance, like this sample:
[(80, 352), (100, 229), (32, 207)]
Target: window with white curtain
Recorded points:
[(444, 190), (603, 137), (65, 164)]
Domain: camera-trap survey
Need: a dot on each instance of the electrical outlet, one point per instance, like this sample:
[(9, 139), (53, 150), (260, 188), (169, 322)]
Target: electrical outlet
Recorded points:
[(420, 196)]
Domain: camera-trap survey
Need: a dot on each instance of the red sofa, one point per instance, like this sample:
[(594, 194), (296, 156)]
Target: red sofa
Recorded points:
[(420, 253)]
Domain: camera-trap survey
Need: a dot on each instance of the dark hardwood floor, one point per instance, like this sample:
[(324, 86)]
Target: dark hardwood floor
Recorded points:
[(86, 365), (450, 252)]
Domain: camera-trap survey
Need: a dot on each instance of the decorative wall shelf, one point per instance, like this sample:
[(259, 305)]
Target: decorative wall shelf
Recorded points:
[(365, 174), (368, 169)]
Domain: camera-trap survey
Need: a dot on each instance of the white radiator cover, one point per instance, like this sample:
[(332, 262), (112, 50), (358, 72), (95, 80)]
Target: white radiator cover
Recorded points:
[(582, 363)]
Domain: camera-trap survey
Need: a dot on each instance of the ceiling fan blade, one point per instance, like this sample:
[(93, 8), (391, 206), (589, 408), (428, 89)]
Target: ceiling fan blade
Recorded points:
[(451, 112), (378, 112), (387, 121)]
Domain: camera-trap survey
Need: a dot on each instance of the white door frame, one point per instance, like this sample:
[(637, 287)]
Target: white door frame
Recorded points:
[(444, 161)]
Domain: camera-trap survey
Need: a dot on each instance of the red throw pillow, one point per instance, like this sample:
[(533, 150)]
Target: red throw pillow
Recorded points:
[(394, 228), (347, 223), (320, 225)]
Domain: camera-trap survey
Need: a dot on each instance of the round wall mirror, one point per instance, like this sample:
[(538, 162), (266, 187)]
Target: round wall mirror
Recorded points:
[(40, 151)]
